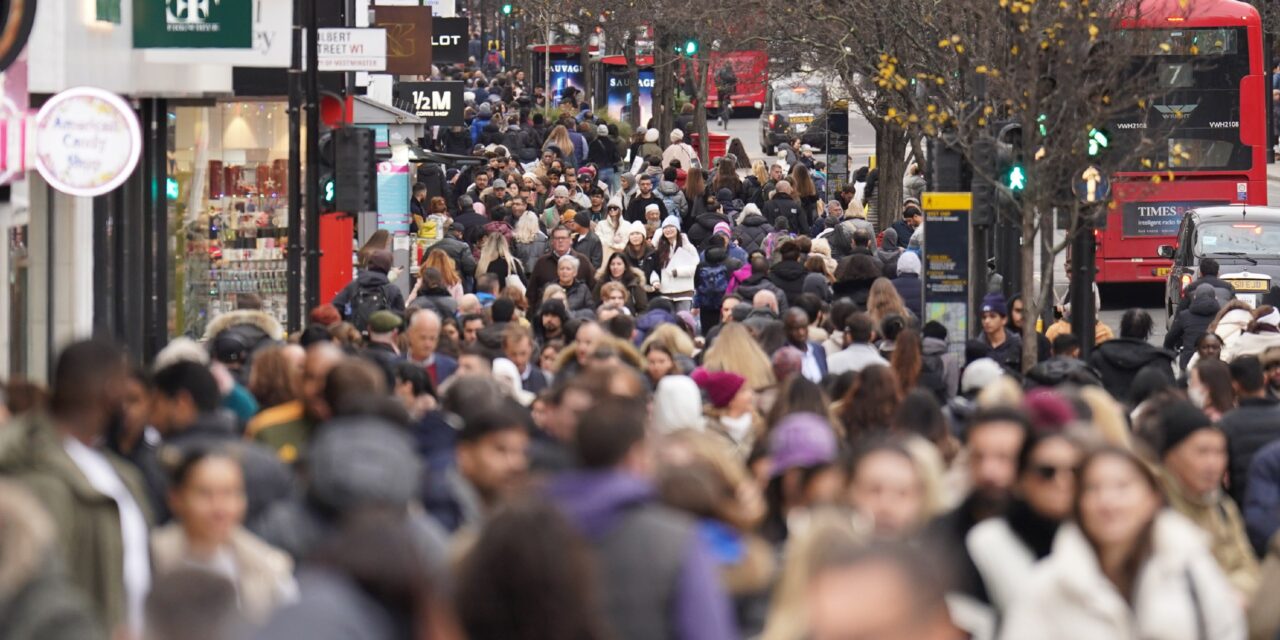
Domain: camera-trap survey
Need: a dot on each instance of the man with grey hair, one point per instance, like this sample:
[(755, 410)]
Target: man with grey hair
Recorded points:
[(545, 269), (784, 205), (423, 336)]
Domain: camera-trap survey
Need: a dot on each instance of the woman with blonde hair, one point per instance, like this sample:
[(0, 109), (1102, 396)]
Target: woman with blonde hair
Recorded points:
[(496, 258), (674, 341), (530, 241), (883, 301), (735, 350), (559, 138), (439, 260)]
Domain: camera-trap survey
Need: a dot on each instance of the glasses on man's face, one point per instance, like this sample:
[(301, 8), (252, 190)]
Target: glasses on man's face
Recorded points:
[(560, 237)]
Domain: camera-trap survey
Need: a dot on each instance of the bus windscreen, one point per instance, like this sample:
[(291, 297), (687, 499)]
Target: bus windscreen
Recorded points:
[(1200, 70)]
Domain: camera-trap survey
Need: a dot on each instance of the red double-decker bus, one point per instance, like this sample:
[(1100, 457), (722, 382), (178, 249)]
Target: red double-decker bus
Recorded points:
[(1209, 57)]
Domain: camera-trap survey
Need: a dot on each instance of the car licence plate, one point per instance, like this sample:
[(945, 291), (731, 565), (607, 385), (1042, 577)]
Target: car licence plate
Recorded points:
[(1161, 271), (1250, 285), (800, 128)]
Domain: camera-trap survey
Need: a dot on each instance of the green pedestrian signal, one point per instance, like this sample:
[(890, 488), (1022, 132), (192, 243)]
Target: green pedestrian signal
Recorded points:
[(1098, 142), (326, 192), (1016, 179)]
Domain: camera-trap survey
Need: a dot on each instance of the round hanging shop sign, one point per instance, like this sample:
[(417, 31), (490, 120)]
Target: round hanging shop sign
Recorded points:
[(87, 141)]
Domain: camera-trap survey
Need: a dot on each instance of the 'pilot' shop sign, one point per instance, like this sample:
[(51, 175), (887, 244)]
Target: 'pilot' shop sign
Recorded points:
[(192, 24), (87, 141)]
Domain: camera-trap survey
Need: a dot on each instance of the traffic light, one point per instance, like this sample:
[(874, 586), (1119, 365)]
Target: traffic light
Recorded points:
[(1013, 175), (325, 177), (1099, 141), (355, 184), (984, 190), (506, 9), (689, 48)]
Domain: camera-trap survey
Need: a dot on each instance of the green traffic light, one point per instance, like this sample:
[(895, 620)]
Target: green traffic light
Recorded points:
[(506, 9), (1097, 142), (171, 188), (1016, 179), (690, 48), (326, 194)]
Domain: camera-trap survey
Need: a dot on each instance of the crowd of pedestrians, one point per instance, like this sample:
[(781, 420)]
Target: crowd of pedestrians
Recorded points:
[(661, 402)]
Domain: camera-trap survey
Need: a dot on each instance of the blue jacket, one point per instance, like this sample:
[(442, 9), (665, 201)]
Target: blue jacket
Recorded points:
[(477, 126), (601, 504), (911, 289), (1262, 497)]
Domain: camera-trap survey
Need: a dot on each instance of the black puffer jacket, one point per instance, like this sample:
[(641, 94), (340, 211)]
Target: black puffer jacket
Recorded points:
[(751, 234), (704, 227), (1251, 426), (758, 282), (1119, 361), (789, 276), (1189, 325), (1060, 369)]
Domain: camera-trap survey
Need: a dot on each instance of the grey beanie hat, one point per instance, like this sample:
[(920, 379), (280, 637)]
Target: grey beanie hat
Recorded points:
[(361, 461)]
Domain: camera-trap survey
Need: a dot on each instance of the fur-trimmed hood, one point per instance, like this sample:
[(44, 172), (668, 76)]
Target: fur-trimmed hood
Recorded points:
[(259, 319)]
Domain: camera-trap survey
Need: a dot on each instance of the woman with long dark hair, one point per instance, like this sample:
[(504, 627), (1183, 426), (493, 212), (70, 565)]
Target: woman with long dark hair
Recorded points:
[(1127, 567), (617, 269), (1209, 387), (907, 360), (870, 403)]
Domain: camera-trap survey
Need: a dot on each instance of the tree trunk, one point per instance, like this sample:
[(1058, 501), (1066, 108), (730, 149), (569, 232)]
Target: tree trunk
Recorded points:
[(664, 72), (1030, 303), (584, 58), (699, 97), (891, 150)]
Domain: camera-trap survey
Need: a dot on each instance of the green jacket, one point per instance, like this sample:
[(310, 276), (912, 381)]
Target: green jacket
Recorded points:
[(87, 522)]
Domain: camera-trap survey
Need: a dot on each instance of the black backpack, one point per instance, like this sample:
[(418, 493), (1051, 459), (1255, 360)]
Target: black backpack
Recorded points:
[(365, 302)]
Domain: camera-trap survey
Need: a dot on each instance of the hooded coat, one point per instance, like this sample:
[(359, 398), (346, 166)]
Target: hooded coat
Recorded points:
[(1119, 360), (907, 283), (1179, 593), (752, 230), (889, 252), (672, 193), (1190, 324), (656, 575), (789, 276), (369, 279), (704, 227), (90, 545)]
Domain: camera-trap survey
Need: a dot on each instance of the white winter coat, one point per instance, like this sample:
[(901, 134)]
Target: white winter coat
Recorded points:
[(1069, 598), (676, 276), (1004, 561), (1249, 344)]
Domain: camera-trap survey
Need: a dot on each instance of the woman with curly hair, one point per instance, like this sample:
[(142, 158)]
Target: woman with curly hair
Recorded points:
[(617, 270)]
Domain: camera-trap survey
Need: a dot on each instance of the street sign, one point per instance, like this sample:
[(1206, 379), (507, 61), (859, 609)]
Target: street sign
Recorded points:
[(351, 49), (837, 151), (88, 141), (439, 103), (946, 264), (408, 38), (448, 40), (1091, 186)]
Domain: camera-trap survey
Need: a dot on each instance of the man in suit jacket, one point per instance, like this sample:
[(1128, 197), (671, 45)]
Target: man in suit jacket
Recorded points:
[(796, 322)]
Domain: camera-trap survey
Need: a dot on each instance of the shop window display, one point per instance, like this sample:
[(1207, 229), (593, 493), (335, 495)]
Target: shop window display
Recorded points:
[(228, 210)]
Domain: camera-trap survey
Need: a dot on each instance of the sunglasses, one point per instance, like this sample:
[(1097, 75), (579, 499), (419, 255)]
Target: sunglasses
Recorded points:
[(1048, 472)]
